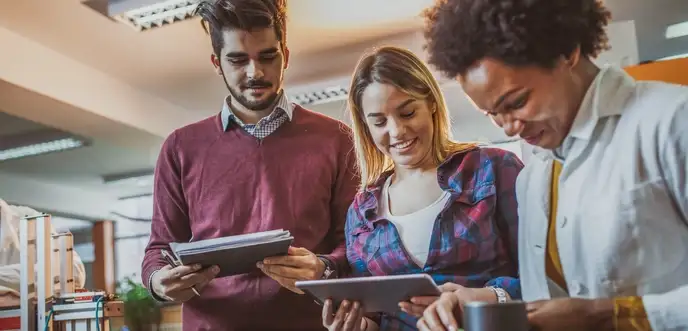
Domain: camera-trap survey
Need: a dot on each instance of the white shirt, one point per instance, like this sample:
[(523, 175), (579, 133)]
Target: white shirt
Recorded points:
[(415, 229), (622, 220)]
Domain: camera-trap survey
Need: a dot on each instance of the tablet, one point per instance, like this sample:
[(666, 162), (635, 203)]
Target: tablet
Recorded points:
[(376, 294)]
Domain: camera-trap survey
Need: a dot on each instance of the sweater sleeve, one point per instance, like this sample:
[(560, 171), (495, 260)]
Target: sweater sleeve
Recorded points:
[(343, 192), (170, 221)]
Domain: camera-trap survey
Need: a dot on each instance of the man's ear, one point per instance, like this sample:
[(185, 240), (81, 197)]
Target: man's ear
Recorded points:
[(216, 63), (286, 57), (573, 58)]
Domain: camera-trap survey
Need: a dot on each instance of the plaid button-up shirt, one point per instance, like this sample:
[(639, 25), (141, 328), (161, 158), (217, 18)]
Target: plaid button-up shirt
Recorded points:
[(474, 240), (281, 113)]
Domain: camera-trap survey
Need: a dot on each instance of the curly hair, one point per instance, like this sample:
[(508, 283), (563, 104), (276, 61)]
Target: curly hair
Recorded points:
[(217, 15), (516, 32)]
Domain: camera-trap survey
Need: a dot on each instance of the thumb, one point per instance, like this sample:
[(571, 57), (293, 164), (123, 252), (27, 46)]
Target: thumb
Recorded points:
[(450, 287), (533, 306), (298, 251), (423, 301)]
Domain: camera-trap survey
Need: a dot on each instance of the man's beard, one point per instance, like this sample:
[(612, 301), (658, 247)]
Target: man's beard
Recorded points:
[(252, 105)]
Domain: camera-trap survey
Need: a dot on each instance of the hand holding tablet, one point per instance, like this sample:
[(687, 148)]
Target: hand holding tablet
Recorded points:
[(417, 305), (374, 294)]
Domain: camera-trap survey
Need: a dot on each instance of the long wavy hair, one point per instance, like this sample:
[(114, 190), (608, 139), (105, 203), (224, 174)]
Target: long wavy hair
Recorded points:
[(402, 69)]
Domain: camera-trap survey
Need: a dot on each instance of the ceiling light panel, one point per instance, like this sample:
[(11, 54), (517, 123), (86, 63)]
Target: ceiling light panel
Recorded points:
[(145, 14), (677, 30), (159, 14), (330, 94), (58, 145)]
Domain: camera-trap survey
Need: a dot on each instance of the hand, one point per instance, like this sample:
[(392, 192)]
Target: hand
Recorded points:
[(569, 314), (299, 264), (349, 317), (174, 284), (417, 305), (445, 313)]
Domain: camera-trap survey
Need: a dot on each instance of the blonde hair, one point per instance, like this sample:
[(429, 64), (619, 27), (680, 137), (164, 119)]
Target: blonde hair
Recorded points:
[(402, 69)]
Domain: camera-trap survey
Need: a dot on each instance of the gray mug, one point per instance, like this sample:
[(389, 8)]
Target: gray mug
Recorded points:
[(483, 316)]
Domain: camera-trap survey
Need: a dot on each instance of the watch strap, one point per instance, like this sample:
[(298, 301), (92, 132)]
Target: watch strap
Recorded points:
[(330, 271), (500, 293)]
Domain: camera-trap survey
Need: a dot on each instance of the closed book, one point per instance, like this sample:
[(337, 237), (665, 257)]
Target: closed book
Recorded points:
[(234, 255)]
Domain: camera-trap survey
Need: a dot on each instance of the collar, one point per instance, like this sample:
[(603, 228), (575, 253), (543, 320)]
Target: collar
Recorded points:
[(448, 176), (282, 104), (606, 96)]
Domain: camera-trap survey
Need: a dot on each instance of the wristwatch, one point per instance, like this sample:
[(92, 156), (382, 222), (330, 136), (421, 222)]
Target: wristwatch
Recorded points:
[(501, 294), (329, 268)]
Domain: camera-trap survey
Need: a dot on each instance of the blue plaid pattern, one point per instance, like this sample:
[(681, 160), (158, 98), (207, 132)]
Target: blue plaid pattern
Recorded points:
[(267, 125), (474, 242)]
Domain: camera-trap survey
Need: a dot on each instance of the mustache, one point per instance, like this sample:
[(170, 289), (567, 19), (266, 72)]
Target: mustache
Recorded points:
[(257, 84)]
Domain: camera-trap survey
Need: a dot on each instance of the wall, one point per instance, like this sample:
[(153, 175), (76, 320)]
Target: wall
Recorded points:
[(671, 71)]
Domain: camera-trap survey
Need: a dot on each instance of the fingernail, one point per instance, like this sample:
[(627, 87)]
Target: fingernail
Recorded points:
[(452, 328), (259, 264), (216, 269), (197, 266)]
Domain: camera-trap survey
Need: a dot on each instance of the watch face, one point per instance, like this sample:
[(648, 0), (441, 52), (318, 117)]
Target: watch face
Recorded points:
[(328, 272)]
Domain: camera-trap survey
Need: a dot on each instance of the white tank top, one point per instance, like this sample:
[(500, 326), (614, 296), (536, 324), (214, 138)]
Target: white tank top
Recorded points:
[(415, 229)]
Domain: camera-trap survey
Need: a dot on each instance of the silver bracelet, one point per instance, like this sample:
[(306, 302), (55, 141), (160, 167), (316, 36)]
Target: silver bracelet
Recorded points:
[(501, 294)]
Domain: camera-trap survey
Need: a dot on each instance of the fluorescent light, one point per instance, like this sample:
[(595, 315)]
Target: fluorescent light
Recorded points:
[(329, 94), (677, 30), (159, 14), (145, 14), (141, 178), (40, 148)]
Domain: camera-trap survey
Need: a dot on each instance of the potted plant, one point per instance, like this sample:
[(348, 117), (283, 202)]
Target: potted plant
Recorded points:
[(141, 311)]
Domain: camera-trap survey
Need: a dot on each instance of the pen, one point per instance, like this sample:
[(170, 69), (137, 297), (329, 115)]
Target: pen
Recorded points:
[(173, 264)]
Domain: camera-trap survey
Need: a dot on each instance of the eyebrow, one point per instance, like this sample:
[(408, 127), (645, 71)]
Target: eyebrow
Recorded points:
[(501, 99), (405, 103), (399, 107), (267, 51)]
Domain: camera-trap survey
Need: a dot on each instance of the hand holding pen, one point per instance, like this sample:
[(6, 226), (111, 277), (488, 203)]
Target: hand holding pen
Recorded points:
[(180, 283)]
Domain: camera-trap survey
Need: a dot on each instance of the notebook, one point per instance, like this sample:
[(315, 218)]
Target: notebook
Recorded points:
[(234, 254)]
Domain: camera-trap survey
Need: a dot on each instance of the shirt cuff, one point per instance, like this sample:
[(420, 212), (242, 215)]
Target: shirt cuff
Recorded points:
[(511, 285), (150, 288), (630, 315)]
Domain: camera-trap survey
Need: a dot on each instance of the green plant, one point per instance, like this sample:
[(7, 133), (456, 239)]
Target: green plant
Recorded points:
[(141, 311)]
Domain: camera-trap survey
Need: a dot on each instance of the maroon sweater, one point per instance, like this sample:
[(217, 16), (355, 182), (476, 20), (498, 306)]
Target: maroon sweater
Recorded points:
[(210, 183)]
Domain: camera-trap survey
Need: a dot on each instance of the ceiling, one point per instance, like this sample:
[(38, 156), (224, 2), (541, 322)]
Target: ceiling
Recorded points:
[(174, 62), (72, 69)]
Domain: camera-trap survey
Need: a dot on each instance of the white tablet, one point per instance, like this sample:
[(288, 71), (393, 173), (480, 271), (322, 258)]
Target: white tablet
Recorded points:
[(376, 294)]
